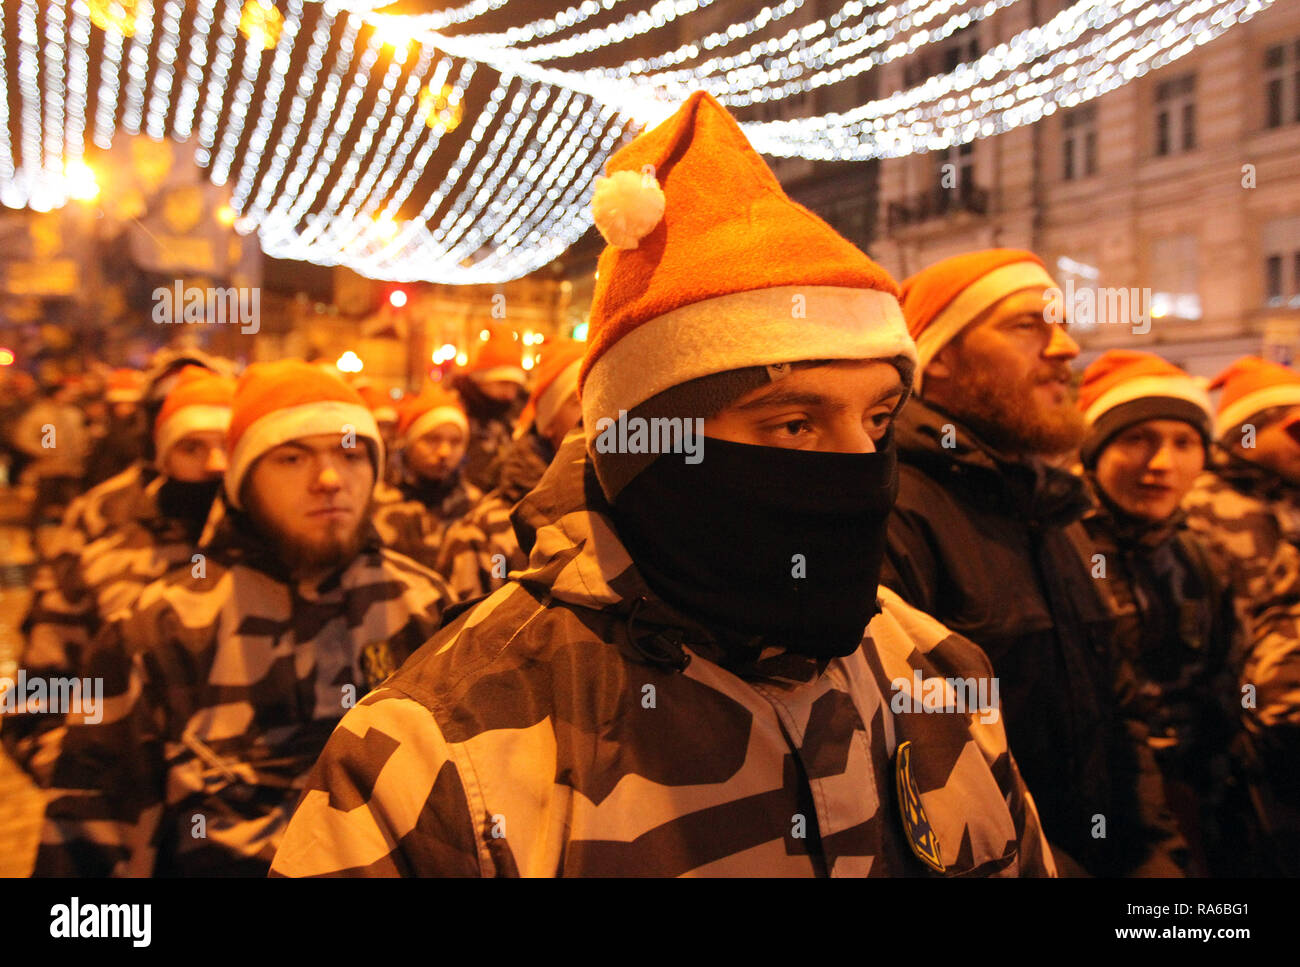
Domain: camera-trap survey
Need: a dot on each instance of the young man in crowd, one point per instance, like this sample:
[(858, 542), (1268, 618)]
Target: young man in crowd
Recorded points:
[(1149, 427), (985, 535), (432, 495), (75, 592), (695, 673), (492, 390), (224, 679), (479, 550), (120, 439), (1247, 504)]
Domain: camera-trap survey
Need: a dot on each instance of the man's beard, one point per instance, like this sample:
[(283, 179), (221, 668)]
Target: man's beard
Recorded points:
[(337, 548), (1007, 417)]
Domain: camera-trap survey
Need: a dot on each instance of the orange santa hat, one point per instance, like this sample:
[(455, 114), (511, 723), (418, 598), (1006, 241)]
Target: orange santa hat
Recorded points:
[(555, 379), (1251, 385), (281, 401), (199, 400), (1124, 386), (941, 300), (124, 386), (710, 267), (432, 408), (500, 357)]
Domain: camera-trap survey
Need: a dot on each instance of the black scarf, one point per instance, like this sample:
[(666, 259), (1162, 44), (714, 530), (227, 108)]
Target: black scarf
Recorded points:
[(779, 547)]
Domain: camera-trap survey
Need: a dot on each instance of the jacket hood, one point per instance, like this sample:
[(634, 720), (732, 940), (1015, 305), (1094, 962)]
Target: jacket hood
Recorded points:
[(1250, 478), (1028, 488)]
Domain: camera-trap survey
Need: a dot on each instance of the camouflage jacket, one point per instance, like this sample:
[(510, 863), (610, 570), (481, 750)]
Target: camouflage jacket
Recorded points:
[(1253, 517), (411, 526), (481, 548), (74, 592), (221, 685), (574, 724)]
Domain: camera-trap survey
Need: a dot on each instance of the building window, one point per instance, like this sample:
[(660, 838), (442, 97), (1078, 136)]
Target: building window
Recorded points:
[(1175, 275), (1176, 115), (1281, 250), (1282, 84), (1080, 142)]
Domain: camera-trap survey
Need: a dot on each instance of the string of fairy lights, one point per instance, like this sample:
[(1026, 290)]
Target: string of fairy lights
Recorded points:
[(413, 147)]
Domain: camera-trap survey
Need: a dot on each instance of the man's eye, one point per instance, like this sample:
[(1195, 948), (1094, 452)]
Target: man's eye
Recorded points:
[(353, 454), (796, 427), (881, 421)]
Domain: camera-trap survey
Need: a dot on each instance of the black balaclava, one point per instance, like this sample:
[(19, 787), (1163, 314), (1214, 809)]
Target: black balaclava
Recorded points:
[(188, 502), (779, 547)]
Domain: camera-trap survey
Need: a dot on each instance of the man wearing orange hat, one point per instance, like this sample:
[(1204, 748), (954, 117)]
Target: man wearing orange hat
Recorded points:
[(1247, 504), (985, 533), (80, 586), (479, 550), (432, 432), (492, 389), (1149, 427), (695, 674), (120, 437), (226, 676)]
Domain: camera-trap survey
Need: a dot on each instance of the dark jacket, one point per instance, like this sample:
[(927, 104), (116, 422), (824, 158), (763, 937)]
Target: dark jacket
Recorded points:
[(1172, 661), (991, 546)]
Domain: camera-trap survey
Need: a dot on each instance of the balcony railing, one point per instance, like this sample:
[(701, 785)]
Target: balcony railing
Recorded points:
[(938, 203)]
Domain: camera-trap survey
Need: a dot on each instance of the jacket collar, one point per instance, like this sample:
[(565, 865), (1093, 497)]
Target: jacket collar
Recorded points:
[(1028, 487)]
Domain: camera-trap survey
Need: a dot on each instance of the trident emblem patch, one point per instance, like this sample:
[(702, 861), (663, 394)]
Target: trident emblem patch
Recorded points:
[(923, 840)]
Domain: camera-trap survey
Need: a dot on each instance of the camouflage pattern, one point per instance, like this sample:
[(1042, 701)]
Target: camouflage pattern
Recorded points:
[(1253, 517), (412, 527), (73, 593), (221, 685), (1176, 633), (479, 550), (574, 724)]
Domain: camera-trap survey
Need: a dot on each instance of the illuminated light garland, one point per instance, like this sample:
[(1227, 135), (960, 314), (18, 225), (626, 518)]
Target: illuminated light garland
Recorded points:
[(183, 124), (304, 198), (515, 196), (11, 193), (403, 125), (324, 109), (155, 124), (225, 45), (346, 180), (237, 113), (33, 172), (274, 90), (55, 85), (74, 138), (137, 67)]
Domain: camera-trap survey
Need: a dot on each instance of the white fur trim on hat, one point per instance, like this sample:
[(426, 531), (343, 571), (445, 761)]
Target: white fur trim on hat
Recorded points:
[(1239, 411), (759, 327), (386, 414), (1172, 387), (434, 418), (511, 374), (557, 394), (292, 423), (985, 291), (186, 420)]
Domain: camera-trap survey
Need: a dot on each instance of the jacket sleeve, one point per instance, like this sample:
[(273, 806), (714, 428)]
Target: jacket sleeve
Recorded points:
[(104, 775), (386, 798)]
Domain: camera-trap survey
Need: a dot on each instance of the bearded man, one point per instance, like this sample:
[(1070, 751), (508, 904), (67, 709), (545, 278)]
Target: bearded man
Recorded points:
[(224, 679), (985, 534)]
